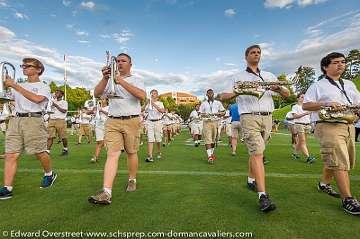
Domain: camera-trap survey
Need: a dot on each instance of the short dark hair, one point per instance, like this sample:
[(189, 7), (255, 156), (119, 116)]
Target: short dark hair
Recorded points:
[(299, 94), (124, 54), (209, 90), (251, 47), (154, 90), (325, 62)]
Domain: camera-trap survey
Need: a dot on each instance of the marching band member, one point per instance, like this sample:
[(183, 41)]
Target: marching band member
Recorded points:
[(27, 130), (336, 136), (215, 109), (100, 119), (122, 128), (155, 110), (57, 123), (85, 128), (256, 122), (196, 125)]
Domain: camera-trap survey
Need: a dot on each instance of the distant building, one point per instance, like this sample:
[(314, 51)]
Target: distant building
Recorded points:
[(181, 97)]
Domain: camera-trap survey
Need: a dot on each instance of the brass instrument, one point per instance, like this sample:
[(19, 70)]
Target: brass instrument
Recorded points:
[(257, 88), (4, 66), (114, 71), (211, 117), (50, 107), (346, 113), (97, 114)]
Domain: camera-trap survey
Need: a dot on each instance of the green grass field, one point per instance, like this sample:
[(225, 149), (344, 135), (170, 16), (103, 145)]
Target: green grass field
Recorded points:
[(181, 192)]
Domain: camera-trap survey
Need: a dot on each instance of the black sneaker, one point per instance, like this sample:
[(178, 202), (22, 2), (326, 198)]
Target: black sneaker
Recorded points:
[(329, 190), (5, 193), (266, 204), (149, 160), (310, 159), (48, 181), (351, 205), (252, 186), (64, 152)]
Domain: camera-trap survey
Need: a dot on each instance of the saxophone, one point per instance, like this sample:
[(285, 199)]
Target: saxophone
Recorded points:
[(256, 88), (346, 113)]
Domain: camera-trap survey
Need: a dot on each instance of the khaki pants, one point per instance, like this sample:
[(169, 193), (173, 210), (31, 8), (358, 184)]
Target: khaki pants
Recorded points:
[(337, 145), (210, 131), (256, 131), (57, 126)]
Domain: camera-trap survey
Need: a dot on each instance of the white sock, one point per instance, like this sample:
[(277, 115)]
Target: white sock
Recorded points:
[(47, 151), (251, 180), (261, 193), (209, 153), (10, 188), (66, 149), (107, 190), (212, 150), (323, 184), (48, 174)]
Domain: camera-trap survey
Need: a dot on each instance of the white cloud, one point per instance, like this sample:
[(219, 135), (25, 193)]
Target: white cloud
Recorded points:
[(288, 3), (3, 3), (52, 15), (66, 2), (81, 33), (122, 37), (20, 15), (230, 64), (229, 12), (88, 5), (83, 42), (6, 34), (105, 36), (70, 26)]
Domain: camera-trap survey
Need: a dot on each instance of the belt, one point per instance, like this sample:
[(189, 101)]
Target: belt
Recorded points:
[(154, 120), (302, 123), (123, 117), (331, 122), (30, 114), (257, 113)]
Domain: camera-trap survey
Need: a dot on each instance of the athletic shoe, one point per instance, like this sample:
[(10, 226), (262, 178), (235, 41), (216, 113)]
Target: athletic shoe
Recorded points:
[(233, 153), (310, 159), (149, 159), (47, 181), (101, 197), (295, 156), (158, 156), (351, 205), (131, 187), (252, 186), (5, 193), (266, 204), (163, 144), (64, 152), (329, 190), (93, 160), (211, 159)]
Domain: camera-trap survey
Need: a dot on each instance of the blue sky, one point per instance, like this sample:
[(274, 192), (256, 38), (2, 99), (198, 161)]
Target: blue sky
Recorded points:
[(185, 45)]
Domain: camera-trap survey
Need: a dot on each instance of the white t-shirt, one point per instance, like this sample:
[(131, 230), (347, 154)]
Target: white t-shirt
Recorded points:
[(129, 105), (194, 117), (57, 114), (103, 117), (288, 117), (85, 118), (297, 109), (212, 107), (154, 114), (249, 103), (324, 91), (228, 119), (23, 105)]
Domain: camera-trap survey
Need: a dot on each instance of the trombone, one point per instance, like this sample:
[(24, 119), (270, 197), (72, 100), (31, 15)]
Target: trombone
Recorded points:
[(5, 74), (114, 71)]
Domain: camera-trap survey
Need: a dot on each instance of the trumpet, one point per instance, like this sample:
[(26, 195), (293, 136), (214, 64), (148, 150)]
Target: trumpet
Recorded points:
[(256, 88), (114, 71), (5, 74), (346, 113)]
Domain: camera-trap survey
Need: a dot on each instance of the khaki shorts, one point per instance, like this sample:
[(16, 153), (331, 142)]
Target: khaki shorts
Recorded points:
[(236, 129), (122, 135), (85, 129), (210, 131), (337, 146), (256, 131), (299, 128), (57, 126), (26, 133), (154, 132), (292, 128)]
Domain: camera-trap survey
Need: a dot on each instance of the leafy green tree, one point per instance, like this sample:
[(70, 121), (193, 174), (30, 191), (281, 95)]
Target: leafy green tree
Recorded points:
[(304, 77)]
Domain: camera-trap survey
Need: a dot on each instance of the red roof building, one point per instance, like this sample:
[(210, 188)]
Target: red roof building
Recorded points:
[(181, 97)]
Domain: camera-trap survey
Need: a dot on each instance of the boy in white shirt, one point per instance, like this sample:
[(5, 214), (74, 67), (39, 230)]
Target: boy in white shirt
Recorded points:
[(27, 130)]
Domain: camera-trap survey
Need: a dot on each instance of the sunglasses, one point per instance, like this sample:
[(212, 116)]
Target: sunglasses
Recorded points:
[(24, 66)]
